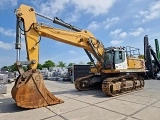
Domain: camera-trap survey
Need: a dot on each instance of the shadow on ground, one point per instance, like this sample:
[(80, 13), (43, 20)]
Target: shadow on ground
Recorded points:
[(95, 93), (8, 105)]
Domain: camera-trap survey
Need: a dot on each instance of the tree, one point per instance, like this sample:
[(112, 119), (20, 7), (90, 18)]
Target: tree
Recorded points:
[(141, 56), (39, 66), (61, 64), (89, 63), (12, 68), (25, 68), (71, 64), (4, 68), (48, 64)]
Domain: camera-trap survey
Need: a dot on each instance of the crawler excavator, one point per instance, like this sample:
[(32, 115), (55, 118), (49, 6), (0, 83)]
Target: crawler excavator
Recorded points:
[(116, 70)]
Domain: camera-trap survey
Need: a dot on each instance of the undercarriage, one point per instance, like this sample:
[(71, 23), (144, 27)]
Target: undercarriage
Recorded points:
[(111, 86)]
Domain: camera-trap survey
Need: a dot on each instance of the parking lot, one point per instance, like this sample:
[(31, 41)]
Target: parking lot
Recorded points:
[(88, 105)]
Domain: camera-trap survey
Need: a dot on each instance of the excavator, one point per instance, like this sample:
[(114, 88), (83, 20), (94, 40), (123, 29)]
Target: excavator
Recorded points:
[(117, 69)]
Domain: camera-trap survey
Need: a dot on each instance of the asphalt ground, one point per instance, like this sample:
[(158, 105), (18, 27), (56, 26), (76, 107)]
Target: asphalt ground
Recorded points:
[(88, 105)]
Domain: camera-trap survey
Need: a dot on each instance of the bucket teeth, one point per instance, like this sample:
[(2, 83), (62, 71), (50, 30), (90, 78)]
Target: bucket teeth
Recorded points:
[(31, 91)]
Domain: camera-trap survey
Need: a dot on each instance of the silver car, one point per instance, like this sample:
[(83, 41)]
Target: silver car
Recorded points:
[(158, 76)]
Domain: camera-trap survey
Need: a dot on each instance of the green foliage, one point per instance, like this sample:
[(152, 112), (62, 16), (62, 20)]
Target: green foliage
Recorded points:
[(70, 64), (12, 68), (61, 64), (39, 66), (4, 68), (48, 64), (25, 68), (89, 63), (141, 56)]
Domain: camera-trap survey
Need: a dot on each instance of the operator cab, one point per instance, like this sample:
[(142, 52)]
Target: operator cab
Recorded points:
[(115, 58)]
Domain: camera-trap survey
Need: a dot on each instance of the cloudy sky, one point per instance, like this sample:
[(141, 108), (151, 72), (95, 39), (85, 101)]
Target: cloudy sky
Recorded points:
[(114, 22)]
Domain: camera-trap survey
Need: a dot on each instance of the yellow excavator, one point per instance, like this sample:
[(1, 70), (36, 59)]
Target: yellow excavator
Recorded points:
[(117, 69)]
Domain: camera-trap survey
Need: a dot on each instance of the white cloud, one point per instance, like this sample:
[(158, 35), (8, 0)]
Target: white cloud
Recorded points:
[(123, 34), (116, 42), (94, 7), (72, 17), (72, 52), (118, 33), (110, 21), (51, 8), (6, 3), (7, 32), (93, 26), (136, 32), (151, 13), (114, 33), (6, 46)]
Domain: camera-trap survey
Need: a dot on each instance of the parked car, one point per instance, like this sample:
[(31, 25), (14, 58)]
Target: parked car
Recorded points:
[(158, 76)]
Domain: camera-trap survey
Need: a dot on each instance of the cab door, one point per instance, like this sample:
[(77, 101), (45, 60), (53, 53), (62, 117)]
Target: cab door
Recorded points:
[(120, 60)]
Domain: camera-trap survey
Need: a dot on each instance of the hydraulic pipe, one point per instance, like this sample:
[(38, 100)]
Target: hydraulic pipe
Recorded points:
[(58, 21), (18, 41), (64, 24), (44, 16)]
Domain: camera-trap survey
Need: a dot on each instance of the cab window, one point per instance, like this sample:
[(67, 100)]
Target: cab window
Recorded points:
[(119, 57)]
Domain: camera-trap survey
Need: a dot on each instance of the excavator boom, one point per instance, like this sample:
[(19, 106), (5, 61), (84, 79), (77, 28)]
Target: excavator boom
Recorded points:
[(29, 90)]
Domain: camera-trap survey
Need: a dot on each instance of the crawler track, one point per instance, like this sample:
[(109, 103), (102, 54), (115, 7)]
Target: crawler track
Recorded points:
[(112, 86), (119, 85), (83, 83)]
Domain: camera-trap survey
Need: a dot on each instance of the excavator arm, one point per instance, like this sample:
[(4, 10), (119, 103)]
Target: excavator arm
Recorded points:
[(29, 90), (33, 30)]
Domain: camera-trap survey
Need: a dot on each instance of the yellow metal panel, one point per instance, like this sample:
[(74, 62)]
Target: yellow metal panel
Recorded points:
[(130, 63), (135, 63), (111, 71), (28, 15)]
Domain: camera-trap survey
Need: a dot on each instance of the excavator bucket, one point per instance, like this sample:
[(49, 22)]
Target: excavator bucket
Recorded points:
[(29, 91)]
